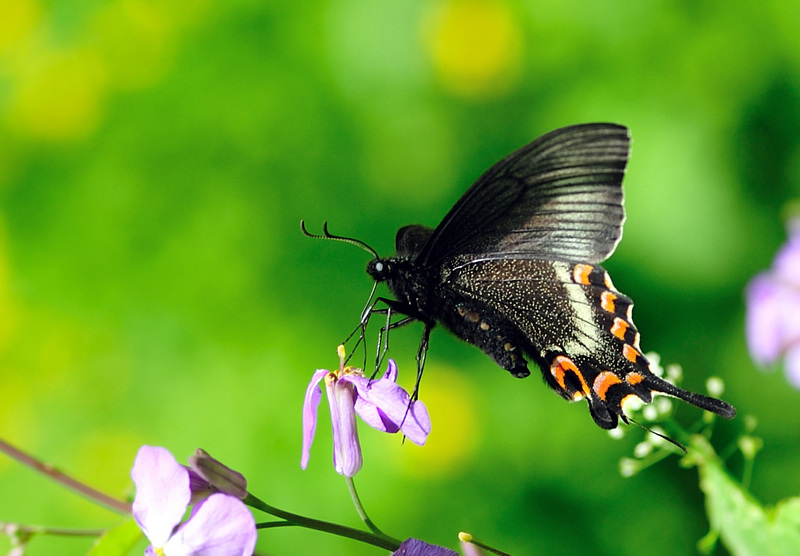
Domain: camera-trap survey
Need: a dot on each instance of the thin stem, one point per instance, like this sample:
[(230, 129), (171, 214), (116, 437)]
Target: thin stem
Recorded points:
[(468, 538), (362, 513), (382, 541), (85, 490), (15, 528), (274, 524)]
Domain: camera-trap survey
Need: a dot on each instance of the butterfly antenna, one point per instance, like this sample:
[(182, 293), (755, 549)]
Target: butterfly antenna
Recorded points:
[(327, 235), (367, 311), (664, 436)]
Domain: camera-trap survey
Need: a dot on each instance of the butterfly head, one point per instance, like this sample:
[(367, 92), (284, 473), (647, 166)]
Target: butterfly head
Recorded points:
[(379, 269)]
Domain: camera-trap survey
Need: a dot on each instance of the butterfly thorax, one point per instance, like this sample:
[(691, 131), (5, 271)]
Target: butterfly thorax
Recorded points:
[(410, 283), (427, 295)]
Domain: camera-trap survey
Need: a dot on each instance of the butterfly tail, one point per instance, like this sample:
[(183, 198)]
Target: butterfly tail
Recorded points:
[(721, 408)]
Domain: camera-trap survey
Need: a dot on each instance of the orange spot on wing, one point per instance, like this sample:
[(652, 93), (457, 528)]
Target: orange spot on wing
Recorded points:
[(630, 353), (634, 378), (619, 328), (607, 300), (560, 367), (580, 274), (603, 382)]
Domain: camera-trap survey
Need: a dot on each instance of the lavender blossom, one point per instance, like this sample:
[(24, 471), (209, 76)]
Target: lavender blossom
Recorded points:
[(219, 524), (382, 404), (773, 310), (416, 547)]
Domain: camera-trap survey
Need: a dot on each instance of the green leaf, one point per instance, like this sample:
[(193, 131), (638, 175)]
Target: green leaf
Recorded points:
[(118, 541), (745, 527)]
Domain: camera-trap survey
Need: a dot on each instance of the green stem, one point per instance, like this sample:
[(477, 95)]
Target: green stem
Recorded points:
[(467, 538), (15, 528), (382, 541), (274, 524), (362, 513)]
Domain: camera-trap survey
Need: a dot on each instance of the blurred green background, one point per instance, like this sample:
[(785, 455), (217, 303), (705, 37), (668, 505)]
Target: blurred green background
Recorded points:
[(156, 158)]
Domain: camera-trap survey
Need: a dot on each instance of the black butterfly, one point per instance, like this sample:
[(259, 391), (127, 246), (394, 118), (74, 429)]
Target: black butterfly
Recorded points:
[(513, 269)]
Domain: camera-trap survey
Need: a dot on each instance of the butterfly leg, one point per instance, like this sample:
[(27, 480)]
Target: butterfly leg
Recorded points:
[(422, 354), (392, 307), (383, 336), (361, 328)]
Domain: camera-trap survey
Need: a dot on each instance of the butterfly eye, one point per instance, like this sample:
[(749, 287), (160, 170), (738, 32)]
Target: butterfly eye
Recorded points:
[(378, 270)]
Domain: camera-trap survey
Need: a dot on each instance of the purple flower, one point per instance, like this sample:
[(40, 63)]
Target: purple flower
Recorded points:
[(416, 547), (218, 525), (382, 404), (773, 309)]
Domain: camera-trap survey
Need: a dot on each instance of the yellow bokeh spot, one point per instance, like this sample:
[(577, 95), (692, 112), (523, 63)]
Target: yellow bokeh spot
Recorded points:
[(455, 436), (18, 18), (57, 91), (476, 47), (60, 96), (137, 41)]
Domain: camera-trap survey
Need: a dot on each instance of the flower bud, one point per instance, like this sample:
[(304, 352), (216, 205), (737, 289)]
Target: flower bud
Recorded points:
[(218, 475)]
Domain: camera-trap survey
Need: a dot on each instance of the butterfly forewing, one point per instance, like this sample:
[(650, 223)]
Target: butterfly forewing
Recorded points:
[(558, 197)]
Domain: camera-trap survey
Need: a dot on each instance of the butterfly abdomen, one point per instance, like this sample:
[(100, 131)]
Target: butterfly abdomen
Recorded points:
[(494, 334)]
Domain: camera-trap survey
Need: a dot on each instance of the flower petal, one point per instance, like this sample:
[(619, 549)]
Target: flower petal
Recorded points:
[(391, 371), (376, 398), (787, 261), (417, 424), (347, 458), (416, 547), (793, 366), (763, 321), (386, 406), (198, 485), (773, 317), (773, 309), (221, 526), (162, 493), (310, 405)]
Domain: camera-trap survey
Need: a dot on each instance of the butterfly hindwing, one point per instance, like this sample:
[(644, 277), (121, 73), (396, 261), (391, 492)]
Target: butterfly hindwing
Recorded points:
[(572, 322)]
